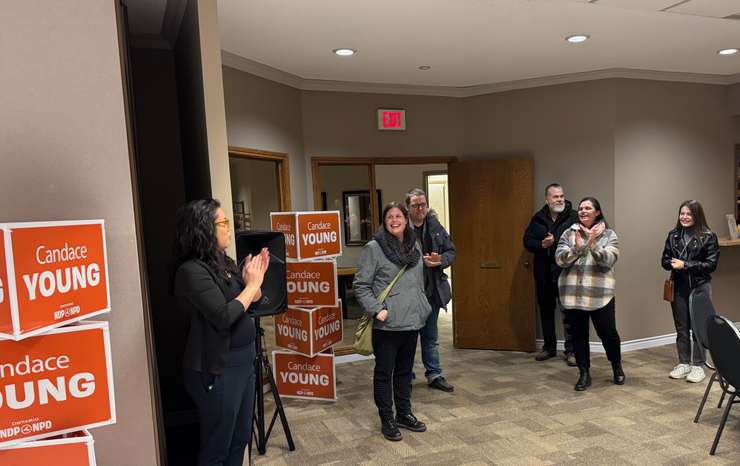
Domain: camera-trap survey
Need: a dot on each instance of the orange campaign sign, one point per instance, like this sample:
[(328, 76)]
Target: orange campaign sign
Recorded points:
[(319, 235), (299, 376), (293, 330), (326, 327), (56, 383), (53, 273), (75, 449), (312, 284), (285, 222), (309, 235), (309, 331)]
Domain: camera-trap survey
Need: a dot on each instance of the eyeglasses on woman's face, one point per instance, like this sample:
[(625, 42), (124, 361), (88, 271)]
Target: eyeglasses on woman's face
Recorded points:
[(224, 222)]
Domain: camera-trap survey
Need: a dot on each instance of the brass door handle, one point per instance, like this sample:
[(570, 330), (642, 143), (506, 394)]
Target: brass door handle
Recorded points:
[(526, 264)]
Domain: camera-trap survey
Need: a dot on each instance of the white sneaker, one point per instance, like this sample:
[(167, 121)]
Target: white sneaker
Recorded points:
[(680, 371), (696, 375)]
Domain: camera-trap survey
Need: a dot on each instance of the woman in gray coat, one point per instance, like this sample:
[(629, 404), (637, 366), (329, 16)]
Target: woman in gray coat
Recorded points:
[(393, 251)]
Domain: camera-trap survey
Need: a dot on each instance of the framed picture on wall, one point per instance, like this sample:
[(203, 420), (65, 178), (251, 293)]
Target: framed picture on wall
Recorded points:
[(238, 222), (238, 207)]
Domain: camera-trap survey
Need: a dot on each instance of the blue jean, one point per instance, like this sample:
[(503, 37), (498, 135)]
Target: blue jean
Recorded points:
[(429, 352)]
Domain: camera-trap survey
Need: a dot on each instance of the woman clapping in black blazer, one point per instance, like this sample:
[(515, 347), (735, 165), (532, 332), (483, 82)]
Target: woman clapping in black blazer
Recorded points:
[(220, 351)]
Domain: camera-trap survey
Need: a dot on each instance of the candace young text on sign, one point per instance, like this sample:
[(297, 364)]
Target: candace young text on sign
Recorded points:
[(309, 235), (312, 284), (74, 449), (309, 331), (299, 376), (54, 273), (319, 235), (285, 222), (56, 383)]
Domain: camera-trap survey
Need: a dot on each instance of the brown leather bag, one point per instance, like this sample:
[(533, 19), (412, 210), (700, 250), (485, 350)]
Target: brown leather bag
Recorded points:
[(668, 290)]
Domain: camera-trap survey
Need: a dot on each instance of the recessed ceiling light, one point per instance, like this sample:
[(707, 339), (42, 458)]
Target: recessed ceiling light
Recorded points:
[(345, 52), (425, 67), (577, 38), (731, 51)]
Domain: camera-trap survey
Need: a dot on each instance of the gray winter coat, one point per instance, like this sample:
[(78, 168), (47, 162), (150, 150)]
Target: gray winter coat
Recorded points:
[(408, 307)]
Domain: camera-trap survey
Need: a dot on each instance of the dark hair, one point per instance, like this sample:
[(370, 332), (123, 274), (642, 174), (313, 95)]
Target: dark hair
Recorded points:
[(195, 237), (552, 185), (409, 237), (597, 205), (697, 213), (414, 192)]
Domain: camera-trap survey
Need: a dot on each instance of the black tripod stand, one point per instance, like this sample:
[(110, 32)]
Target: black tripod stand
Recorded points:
[(263, 363)]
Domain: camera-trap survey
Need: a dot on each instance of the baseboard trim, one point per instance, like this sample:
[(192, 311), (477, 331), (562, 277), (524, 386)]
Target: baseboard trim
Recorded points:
[(351, 358), (627, 346)]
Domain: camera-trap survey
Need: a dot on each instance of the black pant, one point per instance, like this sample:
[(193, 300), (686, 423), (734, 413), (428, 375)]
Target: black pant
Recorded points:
[(547, 300), (225, 406), (394, 361), (606, 328), (682, 321)]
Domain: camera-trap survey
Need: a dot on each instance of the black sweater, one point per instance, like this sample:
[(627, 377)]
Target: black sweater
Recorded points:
[(216, 318)]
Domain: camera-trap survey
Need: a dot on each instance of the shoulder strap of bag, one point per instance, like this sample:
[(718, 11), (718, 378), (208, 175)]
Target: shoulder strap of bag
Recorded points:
[(387, 290)]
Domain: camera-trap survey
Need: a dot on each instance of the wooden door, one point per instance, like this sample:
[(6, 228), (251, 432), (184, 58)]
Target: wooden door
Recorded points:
[(490, 207)]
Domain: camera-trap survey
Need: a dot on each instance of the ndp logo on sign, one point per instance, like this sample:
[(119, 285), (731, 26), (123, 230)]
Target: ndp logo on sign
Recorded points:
[(59, 274), (55, 383)]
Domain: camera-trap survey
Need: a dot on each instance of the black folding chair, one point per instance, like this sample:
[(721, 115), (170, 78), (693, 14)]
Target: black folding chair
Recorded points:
[(701, 310), (724, 346)]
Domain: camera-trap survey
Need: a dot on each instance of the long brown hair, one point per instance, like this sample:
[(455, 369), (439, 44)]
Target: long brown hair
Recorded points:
[(409, 237), (697, 213)]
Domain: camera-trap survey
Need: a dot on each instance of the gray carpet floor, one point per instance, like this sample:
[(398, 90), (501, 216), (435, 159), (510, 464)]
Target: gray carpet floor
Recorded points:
[(508, 409)]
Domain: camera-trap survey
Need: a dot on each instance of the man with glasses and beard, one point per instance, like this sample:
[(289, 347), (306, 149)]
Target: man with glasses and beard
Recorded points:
[(438, 254), (541, 238)]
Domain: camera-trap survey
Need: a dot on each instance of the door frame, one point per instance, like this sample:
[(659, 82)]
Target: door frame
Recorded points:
[(370, 162), (283, 169)]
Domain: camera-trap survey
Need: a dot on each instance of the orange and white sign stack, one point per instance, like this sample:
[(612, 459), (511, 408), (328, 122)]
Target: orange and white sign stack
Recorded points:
[(312, 325), (56, 378)]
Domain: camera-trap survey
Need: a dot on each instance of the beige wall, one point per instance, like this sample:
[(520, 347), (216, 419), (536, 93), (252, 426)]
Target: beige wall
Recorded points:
[(265, 115), (255, 183), (215, 113), (65, 156), (567, 130), (396, 180), (345, 125), (673, 141)]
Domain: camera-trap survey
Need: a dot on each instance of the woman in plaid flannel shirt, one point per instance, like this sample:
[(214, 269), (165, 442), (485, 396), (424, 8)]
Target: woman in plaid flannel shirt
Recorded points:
[(587, 252)]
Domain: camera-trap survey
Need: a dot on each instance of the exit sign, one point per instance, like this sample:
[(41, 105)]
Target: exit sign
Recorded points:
[(390, 119)]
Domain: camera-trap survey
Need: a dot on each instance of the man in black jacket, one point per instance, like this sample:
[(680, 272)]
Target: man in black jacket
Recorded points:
[(438, 254), (541, 238)]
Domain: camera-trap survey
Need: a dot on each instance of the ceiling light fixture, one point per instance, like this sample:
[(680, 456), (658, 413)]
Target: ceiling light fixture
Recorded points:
[(345, 52), (730, 51), (577, 38), (425, 67)]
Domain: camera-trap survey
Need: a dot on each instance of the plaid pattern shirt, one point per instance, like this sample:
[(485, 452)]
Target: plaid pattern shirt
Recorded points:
[(587, 280)]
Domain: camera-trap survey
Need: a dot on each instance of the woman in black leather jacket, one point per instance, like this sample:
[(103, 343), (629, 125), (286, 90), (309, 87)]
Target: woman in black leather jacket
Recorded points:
[(691, 253), (220, 351)]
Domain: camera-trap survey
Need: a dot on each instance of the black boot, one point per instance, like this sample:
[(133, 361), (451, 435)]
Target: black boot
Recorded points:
[(389, 429), (618, 373), (584, 379)]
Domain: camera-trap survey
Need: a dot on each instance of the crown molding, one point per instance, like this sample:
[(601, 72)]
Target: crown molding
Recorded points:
[(258, 69), (273, 74)]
